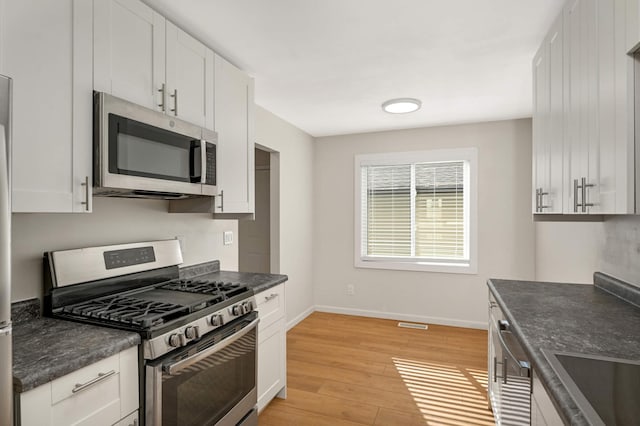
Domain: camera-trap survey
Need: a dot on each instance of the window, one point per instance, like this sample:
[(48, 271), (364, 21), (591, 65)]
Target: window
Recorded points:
[(416, 210)]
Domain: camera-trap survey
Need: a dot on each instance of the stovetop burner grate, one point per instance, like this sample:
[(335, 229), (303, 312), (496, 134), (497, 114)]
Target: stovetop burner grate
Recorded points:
[(160, 304), (226, 290), (127, 310)]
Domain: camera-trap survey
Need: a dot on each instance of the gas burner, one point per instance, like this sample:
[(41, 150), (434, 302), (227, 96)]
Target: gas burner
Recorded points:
[(225, 290), (127, 310)]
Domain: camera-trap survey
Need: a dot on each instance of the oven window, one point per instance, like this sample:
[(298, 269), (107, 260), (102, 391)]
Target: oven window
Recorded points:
[(204, 392), (139, 149)]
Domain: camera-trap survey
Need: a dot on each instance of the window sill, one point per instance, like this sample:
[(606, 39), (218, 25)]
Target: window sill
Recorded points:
[(445, 268)]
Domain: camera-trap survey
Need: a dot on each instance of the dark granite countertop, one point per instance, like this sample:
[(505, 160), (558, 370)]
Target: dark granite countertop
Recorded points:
[(45, 349), (211, 270), (567, 317)]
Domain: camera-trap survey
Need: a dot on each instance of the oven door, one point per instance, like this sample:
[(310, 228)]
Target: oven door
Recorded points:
[(210, 382)]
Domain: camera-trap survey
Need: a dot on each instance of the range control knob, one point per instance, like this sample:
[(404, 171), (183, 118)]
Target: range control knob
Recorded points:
[(192, 332), (176, 340), (247, 307), (237, 310), (216, 320)]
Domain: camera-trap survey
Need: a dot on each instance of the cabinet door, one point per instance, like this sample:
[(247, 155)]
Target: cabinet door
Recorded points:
[(541, 154), (189, 78), (129, 44), (632, 24), (543, 412), (234, 122), (271, 363), (581, 100), (548, 131), (555, 173), (615, 122), (47, 51)]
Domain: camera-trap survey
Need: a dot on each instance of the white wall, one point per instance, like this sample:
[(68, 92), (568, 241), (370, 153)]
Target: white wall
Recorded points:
[(506, 246), (113, 221), (296, 211)]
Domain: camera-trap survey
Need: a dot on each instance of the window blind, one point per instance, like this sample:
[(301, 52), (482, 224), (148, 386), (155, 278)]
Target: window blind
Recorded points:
[(414, 211)]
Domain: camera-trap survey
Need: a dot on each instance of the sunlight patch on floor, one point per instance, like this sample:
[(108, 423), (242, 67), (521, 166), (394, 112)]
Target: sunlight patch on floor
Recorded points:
[(446, 395)]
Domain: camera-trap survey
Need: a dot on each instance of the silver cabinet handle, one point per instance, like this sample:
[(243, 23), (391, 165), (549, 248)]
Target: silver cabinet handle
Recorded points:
[(163, 104), (575, 195), (537, 200), (584, 187), (101, 376), (504, 371), (495, 369), (85, 203), (221, 206), (542, 206), (175, 102), (270, 297)]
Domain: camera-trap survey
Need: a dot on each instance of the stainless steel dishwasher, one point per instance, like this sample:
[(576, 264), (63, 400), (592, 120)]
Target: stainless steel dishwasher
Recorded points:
[(509, 379)]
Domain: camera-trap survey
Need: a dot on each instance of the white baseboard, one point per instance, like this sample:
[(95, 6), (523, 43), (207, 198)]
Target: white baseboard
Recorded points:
[(402, 317), (299, 318)]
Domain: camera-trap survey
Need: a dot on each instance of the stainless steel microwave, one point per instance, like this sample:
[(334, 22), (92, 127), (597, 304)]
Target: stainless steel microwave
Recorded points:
[(138, 152)]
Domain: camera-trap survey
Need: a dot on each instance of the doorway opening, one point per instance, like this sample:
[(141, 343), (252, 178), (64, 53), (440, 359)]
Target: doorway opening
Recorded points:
[(259, 239)]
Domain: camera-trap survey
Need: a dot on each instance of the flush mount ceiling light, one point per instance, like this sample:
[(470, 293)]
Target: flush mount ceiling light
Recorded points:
[(401, 105)]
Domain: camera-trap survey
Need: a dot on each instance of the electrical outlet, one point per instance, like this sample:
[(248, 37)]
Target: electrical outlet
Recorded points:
[(228, 238), (351, 290), (183, 244)]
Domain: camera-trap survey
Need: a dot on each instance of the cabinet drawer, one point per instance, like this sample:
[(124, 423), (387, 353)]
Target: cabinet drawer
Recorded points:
[(94, 376), (271, 305)]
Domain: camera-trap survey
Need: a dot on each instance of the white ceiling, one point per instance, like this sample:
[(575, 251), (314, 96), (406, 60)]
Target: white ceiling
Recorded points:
[(326, 66)]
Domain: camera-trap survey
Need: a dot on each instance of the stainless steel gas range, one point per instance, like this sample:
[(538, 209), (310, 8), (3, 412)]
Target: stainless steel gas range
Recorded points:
[(199, 337)]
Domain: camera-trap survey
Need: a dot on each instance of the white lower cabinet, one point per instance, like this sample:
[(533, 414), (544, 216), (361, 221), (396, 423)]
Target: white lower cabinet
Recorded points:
[(103, 393), (543, 413), (272, 345)]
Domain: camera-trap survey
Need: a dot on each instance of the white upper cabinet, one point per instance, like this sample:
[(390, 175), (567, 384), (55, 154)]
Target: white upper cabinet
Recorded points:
[(583, 130), (581, 106), (189, 77), (548, 131), (129, 58), (145, 59), (632, 32), (234, 122), (616, 156), (47, 50)]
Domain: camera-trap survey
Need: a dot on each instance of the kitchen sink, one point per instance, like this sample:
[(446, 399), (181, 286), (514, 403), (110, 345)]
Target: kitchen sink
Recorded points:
[(607, 390)]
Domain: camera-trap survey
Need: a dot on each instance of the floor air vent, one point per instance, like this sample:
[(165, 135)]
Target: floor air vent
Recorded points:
[(413, 325)]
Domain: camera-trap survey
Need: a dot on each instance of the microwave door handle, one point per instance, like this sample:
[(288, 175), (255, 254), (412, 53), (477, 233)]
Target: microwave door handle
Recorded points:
[(193, 161), (203, 162), (174, 368)]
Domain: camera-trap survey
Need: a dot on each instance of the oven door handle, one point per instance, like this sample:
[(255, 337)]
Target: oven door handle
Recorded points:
[(524, 366), (187, 362)]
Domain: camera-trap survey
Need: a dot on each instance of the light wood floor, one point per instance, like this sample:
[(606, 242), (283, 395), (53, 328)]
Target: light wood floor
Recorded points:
[(346, 370)]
